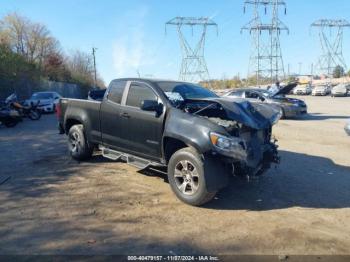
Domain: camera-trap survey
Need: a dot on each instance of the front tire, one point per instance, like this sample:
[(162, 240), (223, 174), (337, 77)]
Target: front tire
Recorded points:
[(34, 114), (186, 175), (78, 145), (10, 123)]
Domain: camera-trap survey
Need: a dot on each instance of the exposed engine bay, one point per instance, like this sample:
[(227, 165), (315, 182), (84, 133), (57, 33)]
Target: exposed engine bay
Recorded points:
[(260, 150)]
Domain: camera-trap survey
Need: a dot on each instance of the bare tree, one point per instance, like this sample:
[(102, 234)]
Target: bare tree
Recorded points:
[(15, 29), (32, 40), (36, 46), (81, 66)]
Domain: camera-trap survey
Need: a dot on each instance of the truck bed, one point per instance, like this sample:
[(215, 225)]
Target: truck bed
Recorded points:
[(84, 111)]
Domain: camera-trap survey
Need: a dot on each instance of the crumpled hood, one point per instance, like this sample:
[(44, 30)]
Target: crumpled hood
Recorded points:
[(253, 114), (284, 90)]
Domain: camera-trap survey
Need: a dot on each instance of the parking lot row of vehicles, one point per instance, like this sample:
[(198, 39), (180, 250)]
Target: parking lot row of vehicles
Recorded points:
[(322, 90)]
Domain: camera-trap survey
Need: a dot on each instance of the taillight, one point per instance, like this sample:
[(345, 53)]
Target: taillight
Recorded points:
[(58, 110)]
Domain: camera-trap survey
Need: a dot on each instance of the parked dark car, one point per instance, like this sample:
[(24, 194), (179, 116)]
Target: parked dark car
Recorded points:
[(197, 135), (290, 107)]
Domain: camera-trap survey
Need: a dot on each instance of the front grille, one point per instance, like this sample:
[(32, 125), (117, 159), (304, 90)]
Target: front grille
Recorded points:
[(263, 136)]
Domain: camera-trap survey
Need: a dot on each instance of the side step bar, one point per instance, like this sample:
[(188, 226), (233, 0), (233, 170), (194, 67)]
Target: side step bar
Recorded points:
[(135, 161)]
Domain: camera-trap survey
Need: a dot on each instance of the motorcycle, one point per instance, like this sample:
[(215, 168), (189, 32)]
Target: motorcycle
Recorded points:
[(8, 117), (31, 111)]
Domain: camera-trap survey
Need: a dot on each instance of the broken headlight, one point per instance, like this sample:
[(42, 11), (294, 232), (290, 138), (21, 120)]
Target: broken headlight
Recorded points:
[(226, 143)]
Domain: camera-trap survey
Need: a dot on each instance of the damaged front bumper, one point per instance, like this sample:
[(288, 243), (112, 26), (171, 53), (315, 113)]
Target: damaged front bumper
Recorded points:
[(252, 158)]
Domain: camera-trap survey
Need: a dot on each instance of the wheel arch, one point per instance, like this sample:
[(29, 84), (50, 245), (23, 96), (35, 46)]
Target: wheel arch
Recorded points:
[(171, 145), (71, 122)]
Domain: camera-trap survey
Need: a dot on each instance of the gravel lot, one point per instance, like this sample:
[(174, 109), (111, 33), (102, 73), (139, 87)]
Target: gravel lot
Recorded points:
[(53, 205)]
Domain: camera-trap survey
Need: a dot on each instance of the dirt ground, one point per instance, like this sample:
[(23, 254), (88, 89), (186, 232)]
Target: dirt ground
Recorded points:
[(53, 205)]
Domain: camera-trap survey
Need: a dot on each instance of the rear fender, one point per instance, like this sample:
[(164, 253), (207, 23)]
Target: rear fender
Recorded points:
[(80, 116)]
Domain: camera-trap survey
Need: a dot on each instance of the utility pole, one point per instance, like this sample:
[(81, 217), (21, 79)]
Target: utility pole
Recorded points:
[(193, 66), (300, 66), (95, 77)]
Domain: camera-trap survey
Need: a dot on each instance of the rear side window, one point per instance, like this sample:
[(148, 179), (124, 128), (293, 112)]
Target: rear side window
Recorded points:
[(138, 93), (116, 90)]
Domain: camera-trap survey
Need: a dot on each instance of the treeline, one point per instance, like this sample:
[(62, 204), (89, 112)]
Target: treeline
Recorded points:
[(237, 82), (29, 53)]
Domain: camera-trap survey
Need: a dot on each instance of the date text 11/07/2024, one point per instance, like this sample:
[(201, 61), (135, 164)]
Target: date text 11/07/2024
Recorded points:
[(173, 258)]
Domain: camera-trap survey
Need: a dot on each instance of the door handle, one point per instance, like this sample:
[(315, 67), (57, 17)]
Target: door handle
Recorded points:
[(125, 115)]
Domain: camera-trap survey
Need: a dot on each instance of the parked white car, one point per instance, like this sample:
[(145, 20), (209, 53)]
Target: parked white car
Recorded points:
[(322, 90), (302, 90), (340, 90), (48, 100)]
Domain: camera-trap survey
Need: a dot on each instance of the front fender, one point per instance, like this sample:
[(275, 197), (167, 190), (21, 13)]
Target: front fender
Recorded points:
[(191, 129)]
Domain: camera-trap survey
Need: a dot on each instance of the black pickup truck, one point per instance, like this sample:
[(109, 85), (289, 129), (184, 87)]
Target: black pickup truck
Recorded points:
[(201, 138)]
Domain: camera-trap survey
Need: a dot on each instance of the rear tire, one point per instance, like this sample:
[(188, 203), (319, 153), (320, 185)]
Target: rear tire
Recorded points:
[(186, 175), (78, 145)]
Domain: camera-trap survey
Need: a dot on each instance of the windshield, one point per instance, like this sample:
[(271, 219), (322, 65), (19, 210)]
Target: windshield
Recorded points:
[(178, 92), (42, 96)]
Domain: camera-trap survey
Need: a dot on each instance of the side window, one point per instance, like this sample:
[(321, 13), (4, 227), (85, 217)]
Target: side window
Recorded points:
[(138, 93), (116, 90), (251, 94)]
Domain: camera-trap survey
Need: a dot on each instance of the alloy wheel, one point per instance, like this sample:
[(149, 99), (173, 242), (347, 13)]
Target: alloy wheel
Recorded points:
[(186, 177)]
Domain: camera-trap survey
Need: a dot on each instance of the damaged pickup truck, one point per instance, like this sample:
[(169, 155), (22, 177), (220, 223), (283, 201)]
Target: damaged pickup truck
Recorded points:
[(200, 137)]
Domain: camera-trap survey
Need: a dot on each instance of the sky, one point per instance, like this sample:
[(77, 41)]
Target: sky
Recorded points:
[(131, 39)]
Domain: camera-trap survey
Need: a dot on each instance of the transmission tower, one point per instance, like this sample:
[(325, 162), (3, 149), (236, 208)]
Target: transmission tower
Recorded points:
[(265, 62), (331, 38), (193, 65)]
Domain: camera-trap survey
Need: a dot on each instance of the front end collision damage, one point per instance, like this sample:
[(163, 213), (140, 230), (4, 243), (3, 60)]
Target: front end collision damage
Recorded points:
[(244, 128)]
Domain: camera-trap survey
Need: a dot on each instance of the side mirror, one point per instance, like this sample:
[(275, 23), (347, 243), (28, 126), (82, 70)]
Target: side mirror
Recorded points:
[(150, 105)]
